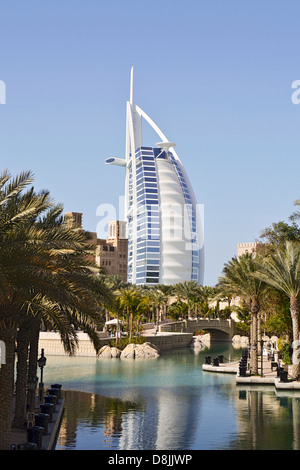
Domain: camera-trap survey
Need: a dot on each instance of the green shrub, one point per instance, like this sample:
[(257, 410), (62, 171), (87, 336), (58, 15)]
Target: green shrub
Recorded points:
[(123, 342), (199, 332), (285, 351)]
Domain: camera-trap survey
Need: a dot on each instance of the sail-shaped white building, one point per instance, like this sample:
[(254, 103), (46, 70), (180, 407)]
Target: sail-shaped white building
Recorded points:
[(164, 223)]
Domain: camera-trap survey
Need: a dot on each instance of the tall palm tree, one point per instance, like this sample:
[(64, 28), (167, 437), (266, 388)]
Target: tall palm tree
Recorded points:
[(238, 277), (282, 271)]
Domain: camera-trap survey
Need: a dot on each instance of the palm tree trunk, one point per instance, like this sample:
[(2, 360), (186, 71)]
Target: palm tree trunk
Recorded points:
[(294, 309), (130, 325), (117, 330), (21, 377), (259, 335), (254, 352), (8, 336), (33, 357)]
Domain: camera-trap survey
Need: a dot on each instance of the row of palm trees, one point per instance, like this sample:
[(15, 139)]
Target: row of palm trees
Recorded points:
[(45, 278), (252, 279), (136, 305)]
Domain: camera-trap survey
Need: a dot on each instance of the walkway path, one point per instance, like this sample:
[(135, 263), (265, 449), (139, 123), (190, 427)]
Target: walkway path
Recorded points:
[(19, 436), (269, 375)]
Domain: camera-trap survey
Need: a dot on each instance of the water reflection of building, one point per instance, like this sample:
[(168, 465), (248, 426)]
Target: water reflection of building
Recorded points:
[(169, 422), (177, 420), (165, 421), (98, 411)]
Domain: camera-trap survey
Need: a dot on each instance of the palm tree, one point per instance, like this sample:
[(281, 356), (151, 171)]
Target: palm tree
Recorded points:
[(178, 309), (115, 283), (142, 308), (129, 302), (282, 271), (157, 300), (167, 290), (186, 291), (238, 277), (296, 215), (116, 308), (206, 294)]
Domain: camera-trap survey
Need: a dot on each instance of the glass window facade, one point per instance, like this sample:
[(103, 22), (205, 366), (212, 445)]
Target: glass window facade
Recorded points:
[(147, 223)]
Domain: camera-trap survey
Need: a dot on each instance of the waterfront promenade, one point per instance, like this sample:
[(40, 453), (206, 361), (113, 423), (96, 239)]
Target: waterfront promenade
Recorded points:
[(268, 376), (48, 441)]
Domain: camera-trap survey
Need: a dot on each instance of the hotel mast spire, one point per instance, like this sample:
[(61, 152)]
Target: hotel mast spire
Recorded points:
[(131, 85)]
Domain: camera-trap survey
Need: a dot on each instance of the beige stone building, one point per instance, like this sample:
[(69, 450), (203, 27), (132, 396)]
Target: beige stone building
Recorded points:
[(111, 254), (251, 247), (73, 219)]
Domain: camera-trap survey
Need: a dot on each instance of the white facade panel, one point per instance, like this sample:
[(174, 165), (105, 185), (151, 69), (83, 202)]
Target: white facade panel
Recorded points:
[(175, 259)]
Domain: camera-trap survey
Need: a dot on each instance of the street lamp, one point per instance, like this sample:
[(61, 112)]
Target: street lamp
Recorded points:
[(41, 363)]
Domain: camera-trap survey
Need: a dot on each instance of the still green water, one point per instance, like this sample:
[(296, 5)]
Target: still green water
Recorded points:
[(169, 403)]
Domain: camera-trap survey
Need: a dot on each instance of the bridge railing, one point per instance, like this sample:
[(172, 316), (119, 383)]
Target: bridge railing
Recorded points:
[(197, 323)]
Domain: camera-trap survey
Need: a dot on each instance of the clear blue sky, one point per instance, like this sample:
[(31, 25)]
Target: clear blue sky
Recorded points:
[(214, 75)]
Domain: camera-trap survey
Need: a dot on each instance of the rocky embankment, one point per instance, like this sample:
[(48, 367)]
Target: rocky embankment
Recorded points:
[(200, 342), (131, 351)]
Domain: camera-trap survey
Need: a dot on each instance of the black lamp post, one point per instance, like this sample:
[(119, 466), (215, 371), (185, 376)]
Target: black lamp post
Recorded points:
[(41, 363)]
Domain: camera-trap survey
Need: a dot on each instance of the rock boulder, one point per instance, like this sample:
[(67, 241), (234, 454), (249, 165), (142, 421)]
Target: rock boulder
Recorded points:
[(109, 352), (144, 351)]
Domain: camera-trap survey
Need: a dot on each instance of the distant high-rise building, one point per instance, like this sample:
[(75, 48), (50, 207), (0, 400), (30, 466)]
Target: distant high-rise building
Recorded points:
[(164, 227)]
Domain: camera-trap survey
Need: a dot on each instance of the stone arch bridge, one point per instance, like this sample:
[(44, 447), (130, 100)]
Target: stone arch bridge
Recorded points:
[(219, 329)]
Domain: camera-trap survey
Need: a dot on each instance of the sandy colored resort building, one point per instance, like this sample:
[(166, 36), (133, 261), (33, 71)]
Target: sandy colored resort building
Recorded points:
[(251, 247), (111, 254)]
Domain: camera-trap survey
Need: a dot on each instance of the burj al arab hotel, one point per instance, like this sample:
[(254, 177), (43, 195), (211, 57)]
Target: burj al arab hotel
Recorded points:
[(164, 222)]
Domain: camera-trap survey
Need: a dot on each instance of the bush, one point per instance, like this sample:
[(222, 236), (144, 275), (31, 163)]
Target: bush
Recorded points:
[(285, 351), (123, 342), (199, 332)]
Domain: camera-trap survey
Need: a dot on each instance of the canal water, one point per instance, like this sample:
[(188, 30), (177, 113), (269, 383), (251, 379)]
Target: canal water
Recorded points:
[(169, 403)]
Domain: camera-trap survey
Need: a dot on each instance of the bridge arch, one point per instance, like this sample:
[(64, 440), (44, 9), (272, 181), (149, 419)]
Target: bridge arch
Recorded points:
[(220, 330)]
